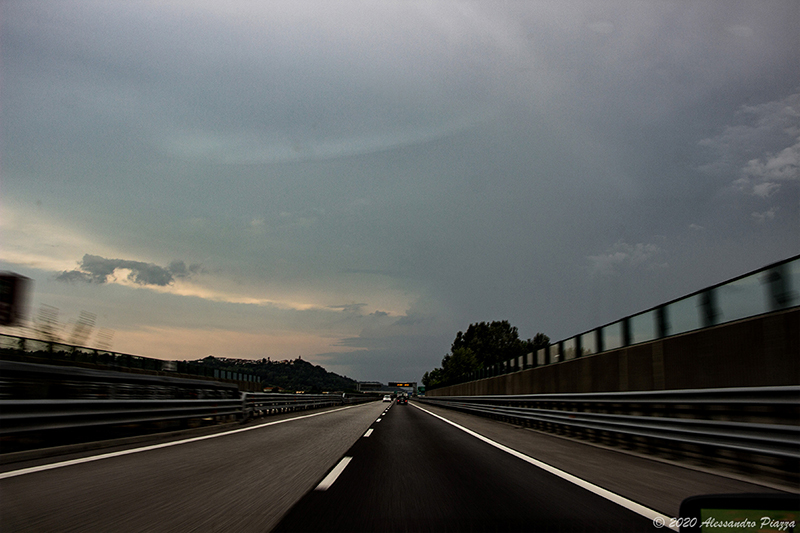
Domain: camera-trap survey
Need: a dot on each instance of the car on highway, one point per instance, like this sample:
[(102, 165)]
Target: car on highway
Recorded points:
[(387, 398), (402, 400)]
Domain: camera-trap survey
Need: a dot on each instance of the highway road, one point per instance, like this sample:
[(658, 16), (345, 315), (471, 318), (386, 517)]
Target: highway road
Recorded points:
[(417, 473), (409, 468), (242, 481)]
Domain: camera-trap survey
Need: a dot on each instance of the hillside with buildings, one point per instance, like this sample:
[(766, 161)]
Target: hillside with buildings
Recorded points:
[(286, 375)]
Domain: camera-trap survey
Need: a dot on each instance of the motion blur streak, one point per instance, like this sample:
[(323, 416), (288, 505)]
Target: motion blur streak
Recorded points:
[(242, 483), (61, 464)]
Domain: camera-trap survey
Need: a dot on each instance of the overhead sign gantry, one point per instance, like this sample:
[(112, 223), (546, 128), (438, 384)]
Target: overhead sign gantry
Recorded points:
[(404, 384)]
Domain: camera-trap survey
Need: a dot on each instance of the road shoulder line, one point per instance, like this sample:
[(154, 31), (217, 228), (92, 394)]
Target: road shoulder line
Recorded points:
[(89, 459), (600, 491)]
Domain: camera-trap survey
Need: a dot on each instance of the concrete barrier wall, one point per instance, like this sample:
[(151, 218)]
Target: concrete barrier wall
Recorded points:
[(760, 351)]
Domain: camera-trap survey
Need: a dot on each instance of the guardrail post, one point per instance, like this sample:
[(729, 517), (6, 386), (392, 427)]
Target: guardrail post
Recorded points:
[(780, 290), (662, 322), (708, 308), (626, 331)]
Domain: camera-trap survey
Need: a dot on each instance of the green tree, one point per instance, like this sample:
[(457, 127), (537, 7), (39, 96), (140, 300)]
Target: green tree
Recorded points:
[(461, 361), (432, 378), (540, 340), (482, 345), (494, 342)]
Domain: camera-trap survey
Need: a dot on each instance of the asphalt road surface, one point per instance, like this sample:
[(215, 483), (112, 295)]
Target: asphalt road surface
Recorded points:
[(241, 481), (410, 471), (415, 472)]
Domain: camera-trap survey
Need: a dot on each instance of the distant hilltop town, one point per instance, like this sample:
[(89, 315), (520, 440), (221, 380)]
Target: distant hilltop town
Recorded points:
[(286, 374), (211, 359)]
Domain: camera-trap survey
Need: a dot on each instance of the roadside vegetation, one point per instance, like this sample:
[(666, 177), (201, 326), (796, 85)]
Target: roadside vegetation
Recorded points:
[(482, 345)]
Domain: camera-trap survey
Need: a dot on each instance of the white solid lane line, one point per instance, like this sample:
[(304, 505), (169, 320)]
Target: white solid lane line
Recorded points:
[(331, 477), (368, 433), (31, 470), (600, 491)]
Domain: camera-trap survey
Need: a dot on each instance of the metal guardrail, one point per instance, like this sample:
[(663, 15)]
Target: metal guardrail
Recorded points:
[(51, 405), (24, 416), (33, 381), (262, 404), (760, 420), (55, 352)]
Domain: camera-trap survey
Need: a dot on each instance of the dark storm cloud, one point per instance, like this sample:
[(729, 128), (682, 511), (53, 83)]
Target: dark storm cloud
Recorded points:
[(180, 270), (75, 275), (397, 349), (96, 269), (539, 162)]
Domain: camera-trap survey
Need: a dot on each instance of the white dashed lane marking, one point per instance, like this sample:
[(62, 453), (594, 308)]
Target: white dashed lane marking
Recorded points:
[(331, 477)]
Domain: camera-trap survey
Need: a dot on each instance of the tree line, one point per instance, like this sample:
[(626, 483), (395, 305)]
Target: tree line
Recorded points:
[(483, 344)]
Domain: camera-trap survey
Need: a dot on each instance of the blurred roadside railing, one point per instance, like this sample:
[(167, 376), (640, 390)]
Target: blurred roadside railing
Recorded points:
[(263, 404), (742, 425), (58, 352), (49, 405), (18, 417), (766, 290), (25, 416)]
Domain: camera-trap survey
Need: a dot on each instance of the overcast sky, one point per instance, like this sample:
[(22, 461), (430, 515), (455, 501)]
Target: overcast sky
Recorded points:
[(355, 182)]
